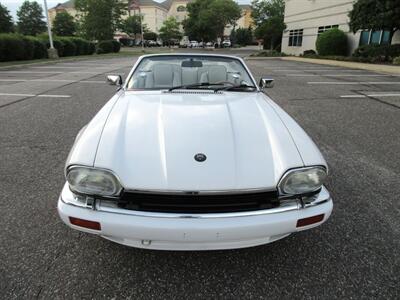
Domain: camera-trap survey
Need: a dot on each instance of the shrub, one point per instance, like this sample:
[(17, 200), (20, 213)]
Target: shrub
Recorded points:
[(127, 42), (104, 47), (82, 45), (396, 60), (91, 48), (58, 44), (378, 53), (269, 53), (332, 42), (29, 48), (39, 48), (116, 46), (309, 53), (393, 51), (69, 46), (12, 47)]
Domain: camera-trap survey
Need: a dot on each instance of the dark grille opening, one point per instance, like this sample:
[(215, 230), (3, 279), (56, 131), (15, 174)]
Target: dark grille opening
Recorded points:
[(188, 203)]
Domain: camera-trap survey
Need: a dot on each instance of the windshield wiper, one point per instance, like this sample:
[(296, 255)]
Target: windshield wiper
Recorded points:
[(190, 86), (234, 87)]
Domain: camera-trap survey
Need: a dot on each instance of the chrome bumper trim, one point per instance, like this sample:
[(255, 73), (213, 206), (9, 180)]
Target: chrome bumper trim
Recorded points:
[(110, 207)]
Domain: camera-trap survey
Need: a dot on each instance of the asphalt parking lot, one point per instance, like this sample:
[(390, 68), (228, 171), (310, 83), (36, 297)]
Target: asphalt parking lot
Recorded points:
[(353, 116)]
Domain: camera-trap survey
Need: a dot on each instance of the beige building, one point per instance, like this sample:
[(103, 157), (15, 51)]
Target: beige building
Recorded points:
[(245, 20), (62, 7), (306, 19), (155, 13)]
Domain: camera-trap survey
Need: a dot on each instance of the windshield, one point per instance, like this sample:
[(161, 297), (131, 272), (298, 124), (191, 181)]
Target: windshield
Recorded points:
[(194, 72)]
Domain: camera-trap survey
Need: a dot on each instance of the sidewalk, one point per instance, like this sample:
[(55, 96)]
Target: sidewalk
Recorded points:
[(387, 69)]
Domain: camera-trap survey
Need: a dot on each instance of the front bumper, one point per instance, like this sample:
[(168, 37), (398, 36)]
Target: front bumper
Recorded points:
[(166, 231)]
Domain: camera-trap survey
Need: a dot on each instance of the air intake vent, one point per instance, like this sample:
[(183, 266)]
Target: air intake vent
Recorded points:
[(208, 92), (182, 203)]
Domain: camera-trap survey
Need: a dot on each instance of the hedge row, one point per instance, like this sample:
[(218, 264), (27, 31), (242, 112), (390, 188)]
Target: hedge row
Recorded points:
[(365, 54), (19, 47), (378, 53), (108, 46), (70, 46)]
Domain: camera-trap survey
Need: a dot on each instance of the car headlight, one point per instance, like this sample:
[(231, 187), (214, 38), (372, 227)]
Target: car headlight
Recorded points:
[(91, 181), (302, 181)]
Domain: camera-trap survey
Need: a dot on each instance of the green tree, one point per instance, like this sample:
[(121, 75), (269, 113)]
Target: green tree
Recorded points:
[(150, 36), (64, 24), (375, 15), (170, 30), (6, 23), (131, 25), (99, 19), (269, 19), (30, 19), (244, 36), (207, 19)]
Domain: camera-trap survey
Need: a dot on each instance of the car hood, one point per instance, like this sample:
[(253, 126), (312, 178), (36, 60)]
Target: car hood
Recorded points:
[(150, 139)]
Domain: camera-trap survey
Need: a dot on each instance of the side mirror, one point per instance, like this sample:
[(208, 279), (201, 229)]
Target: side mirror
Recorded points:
[(266, 83), (114, 80)]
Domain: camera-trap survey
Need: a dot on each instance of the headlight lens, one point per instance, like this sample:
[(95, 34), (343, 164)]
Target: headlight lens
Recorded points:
[(91, 181), (302, 181)]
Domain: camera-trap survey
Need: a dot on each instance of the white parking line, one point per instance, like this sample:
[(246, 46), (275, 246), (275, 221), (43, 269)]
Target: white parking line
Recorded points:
[(46, 72), (33, 95), (316, 70), (343, 75), (8, 80), (71, 67), (52, 80), (353, 96), (53, 96), (384, 95), (353, 82), (31, 72), (371, 95)]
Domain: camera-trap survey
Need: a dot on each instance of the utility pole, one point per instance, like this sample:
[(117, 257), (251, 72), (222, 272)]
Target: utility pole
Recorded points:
[(141, 28), (52, 52)]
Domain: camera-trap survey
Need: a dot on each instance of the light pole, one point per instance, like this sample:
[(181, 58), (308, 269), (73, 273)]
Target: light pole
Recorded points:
[(52, 52)]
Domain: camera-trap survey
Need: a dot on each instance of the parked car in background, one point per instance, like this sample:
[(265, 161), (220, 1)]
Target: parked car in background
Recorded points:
[(226, 44), (194, 44), (190, 154), (151, 43), (210, 45)]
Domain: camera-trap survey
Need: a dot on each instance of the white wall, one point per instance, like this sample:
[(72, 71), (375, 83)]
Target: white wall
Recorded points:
[(311, 14)]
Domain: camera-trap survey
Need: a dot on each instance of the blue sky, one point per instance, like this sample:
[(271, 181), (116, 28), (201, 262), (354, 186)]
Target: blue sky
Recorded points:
[(12, 5)]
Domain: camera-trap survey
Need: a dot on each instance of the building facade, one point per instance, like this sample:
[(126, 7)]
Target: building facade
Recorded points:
[(245, 21), (155, 13), (306, 19)]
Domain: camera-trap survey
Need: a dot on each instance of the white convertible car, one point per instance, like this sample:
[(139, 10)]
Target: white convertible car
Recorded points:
[(190, 154)]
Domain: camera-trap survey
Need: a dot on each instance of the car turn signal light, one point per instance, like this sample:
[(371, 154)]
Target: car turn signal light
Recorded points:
[(310, 220), (85, 223)]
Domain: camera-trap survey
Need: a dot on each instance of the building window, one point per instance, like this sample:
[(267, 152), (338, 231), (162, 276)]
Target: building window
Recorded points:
[(322, 29), (374, 37), (364, 38), (295, 38), (385, 40), (181, 8)]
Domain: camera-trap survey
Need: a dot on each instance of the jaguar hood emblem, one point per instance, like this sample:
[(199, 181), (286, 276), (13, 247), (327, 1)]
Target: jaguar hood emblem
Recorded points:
[(200, 157)]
